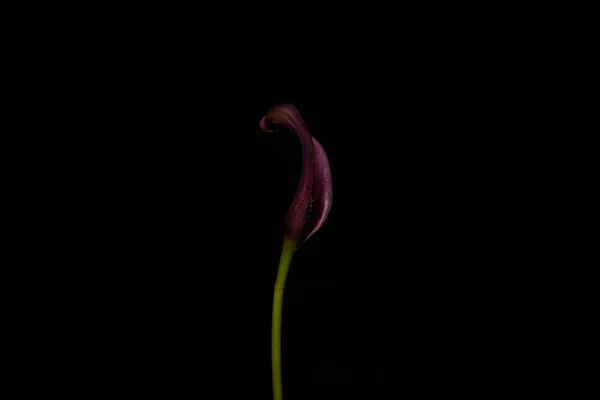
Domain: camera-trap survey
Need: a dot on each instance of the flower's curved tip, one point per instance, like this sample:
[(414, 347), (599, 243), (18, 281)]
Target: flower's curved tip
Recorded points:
[(263, 125)]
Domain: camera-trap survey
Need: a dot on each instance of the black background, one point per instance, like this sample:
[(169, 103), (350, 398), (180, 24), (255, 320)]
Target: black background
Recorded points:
[(148, 211)]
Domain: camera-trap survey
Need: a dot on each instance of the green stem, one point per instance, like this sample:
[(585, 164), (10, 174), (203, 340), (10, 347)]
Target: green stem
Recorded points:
[(289, 246)]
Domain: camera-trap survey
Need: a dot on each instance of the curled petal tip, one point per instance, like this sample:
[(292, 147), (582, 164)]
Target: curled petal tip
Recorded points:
[(263, 125)]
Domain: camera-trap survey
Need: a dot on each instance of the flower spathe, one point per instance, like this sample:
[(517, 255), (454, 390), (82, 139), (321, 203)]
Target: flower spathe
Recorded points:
[(313, 199)]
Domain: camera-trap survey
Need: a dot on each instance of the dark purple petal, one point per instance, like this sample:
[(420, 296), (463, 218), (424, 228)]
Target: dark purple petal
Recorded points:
[(322, 191), (288, 116)]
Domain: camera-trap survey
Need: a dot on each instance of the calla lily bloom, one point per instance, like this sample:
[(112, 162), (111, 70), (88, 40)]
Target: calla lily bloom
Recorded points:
[(306, 215), (312, 202)]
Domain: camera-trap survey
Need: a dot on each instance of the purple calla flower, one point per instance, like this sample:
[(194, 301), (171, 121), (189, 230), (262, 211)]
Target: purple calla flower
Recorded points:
[(312, 202)]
